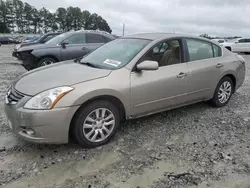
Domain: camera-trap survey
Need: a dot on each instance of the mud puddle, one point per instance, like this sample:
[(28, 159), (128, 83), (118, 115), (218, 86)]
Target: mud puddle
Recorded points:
[(57, 175)]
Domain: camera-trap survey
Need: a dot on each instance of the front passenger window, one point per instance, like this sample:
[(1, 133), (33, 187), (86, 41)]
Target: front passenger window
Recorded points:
[(165, 53), (78, 38)]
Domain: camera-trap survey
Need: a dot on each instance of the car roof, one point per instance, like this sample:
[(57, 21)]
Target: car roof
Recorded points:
[(155, 36), (104, 33)]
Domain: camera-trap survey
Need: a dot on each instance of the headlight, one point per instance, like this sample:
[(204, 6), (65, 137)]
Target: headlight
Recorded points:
[(47, 99)]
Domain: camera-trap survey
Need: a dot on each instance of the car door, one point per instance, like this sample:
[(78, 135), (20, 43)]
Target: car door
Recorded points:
[(94, 41), (75, 46), (153, 91), (239, 46), (205, 66)]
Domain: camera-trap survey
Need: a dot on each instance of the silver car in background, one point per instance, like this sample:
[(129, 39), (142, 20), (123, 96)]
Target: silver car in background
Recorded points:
[(127, 78)]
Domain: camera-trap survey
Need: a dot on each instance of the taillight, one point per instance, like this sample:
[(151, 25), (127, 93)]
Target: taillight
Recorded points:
[(242, 60)]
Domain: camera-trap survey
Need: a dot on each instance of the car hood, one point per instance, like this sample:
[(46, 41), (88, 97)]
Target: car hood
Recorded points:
[(61, 74), (227, 43), (36, 46)]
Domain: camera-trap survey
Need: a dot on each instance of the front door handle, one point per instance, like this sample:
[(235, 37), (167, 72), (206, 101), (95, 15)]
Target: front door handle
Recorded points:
[(181, 75), (219, 65), (84, 48)]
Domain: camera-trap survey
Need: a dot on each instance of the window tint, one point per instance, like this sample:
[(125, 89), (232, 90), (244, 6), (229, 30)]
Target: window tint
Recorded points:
[(199, 50), (242, 40), (116, 53), (217, 51), (221, 41), (106, 39), (160, 48), (95, 38), (165, 53), (48, 38), (247, 40), (78, 38)]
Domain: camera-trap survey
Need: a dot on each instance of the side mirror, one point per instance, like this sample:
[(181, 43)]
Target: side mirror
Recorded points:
[(236, 42), (64, 43), (148, 65)]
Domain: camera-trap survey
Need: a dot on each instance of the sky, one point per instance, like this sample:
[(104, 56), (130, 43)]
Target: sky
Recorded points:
[(214, 17)]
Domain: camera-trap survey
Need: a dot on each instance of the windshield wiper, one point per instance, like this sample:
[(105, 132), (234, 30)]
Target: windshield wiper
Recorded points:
[(88, 64)]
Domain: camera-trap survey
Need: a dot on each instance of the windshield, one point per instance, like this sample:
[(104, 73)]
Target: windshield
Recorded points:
[(58, 39), (36, 39), (116, 53)]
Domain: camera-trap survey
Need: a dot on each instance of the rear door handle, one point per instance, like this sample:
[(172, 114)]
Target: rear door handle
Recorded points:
[(219, 65), (181, 75)]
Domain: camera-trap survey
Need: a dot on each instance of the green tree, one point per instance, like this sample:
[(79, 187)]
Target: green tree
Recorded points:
[(206, 36), (28, 10), (61, 18), (36, 20), (16, 16), (3, 17)]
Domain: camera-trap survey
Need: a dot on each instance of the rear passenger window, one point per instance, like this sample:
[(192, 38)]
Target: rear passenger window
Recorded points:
[(199, 50), (95, 38), (217, 51)]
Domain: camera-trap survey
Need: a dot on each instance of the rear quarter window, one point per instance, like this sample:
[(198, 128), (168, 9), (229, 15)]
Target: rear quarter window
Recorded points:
[(217, 51)]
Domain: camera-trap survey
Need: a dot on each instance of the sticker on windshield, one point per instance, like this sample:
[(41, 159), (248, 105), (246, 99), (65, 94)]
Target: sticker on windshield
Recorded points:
[(112, 62)]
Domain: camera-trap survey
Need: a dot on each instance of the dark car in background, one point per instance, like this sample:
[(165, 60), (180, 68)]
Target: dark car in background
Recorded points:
[(70, 45), (38, 40), (7, 40)]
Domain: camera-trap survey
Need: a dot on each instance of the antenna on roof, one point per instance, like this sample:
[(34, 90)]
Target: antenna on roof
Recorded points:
[(123, 29)]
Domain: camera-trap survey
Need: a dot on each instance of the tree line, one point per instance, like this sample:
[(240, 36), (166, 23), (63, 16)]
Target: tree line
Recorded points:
[(21, 17), (210, 37)]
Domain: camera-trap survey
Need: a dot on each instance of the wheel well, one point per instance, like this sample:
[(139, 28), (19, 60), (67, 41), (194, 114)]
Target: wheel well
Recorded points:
[(228, 47), (48, 56), (109, 98), (232, 78)]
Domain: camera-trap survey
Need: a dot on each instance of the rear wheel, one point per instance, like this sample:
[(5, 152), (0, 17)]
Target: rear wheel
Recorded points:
[(96, 123), (223, 92), (46, 61)]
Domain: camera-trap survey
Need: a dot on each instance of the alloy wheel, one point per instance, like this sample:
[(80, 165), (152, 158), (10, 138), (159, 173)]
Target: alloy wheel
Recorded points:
[(98, 125), (47, 62), (224, 92)]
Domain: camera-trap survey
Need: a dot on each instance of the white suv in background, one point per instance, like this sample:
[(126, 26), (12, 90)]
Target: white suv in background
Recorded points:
[(238, 45), (220, 41)]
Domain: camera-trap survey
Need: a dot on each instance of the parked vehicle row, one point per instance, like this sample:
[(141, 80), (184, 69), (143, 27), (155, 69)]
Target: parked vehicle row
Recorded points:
[(40, 40), (66, 46), (7, 40), (238, 45), (126, 78)]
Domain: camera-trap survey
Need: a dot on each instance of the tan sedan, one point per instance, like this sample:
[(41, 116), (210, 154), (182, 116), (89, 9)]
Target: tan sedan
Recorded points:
[(127, 78)]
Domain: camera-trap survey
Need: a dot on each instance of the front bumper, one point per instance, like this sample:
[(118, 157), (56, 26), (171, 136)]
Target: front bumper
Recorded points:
[(15, 54), (49, 126), (29, 61)]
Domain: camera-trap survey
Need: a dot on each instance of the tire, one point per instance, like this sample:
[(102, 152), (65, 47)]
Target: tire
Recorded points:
[(46, 61), (218, 100), (84, 128)]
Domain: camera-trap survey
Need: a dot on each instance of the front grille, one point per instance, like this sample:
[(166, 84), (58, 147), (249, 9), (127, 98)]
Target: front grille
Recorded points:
[(13, 96)]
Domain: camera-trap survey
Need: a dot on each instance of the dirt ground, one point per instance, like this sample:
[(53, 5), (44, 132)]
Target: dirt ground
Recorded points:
[(194, 146)]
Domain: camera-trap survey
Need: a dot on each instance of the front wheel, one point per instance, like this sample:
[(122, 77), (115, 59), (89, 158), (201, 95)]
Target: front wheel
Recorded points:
[(223, 92), (96, 123), (46, 61)]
